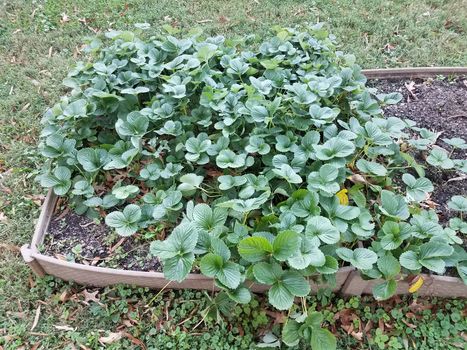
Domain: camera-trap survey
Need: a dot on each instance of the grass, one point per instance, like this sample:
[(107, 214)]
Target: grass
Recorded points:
[(40, 40)]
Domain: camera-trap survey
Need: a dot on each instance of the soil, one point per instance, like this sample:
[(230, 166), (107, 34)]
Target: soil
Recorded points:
[(74, 237), (439, 105)]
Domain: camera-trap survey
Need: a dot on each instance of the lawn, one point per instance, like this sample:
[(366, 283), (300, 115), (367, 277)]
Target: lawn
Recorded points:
[(40, 40)]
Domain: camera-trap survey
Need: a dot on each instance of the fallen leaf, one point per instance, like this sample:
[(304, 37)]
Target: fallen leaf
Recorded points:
[(64, 296), (134, 340), (88, 296), (416, 284), (357, 178), (64, 328), (278, 317), (343, 198), (10, 247), (64, 18), (111, 338), (411, 88), (388, 47), (224, 19), (408, 324), (357, 335), (36, 318)]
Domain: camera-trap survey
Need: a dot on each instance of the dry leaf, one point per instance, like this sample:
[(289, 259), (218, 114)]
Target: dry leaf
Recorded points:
[(357, 335), (416, 284), (111, 338), (388, 47), (64, 328), (134, 340), (36, 318), (278, 317), (411, 88), (357, 178), (64, 18), (224, 19), (10, 247), (88, 296), (408, 324), (64, 296)]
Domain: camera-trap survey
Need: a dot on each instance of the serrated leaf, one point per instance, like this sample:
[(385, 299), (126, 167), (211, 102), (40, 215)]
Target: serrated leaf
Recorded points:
[(254, 249)]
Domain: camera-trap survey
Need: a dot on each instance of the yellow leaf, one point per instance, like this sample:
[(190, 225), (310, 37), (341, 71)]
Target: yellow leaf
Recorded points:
[(416, 285), (343, 198)]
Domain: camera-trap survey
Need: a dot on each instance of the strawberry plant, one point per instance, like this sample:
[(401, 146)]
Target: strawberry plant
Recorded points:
[(270, 163)]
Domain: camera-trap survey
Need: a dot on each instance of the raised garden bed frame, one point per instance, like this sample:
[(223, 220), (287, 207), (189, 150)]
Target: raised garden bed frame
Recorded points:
[(348, 281)]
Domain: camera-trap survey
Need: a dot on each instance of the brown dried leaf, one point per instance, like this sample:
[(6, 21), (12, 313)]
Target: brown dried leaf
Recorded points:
[(64, 18), (91, 296), (64, 328), (278, 317), (134, 340), (36, 318), (111, 338), (357, 335)]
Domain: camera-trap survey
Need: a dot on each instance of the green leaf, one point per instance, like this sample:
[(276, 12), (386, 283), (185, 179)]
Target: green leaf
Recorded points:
[(456, 142), (321, 227), (126, 222), (228, 159), (207, 219), (267, 273), (190, 182), (334, 148), (280, 297), (458, 203), (330, 266), (124, 192), (285, 244), (324, 180), (296, 283), (76, 109), (176, 252), (389, 266), (288, 174), (385, 290), (211, 264), (371, 167), (59, 180), (92, 159), (226, 272), (177, 268), (322, 339), (240, 295), (439, 157), (417, 189), (257, 145), (291, 333), (255, 248), (308, 254), (394, 205), (409, 260), (361, 258)]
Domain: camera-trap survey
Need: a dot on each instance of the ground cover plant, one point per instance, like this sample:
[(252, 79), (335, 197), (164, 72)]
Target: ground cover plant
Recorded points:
[(134, 318), (273, 164)]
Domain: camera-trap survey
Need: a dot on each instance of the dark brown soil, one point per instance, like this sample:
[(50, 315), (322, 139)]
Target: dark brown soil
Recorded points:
[(441, 106), (77, 238)]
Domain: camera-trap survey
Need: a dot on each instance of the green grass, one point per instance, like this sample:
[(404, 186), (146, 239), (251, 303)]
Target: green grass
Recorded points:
[(40, 40)]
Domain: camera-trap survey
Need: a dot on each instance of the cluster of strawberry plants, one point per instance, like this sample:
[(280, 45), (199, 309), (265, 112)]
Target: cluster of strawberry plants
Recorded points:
[(270, 163)]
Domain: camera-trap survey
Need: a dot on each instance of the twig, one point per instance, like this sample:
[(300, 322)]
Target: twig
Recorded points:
[(458, 116), (459, 178)]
